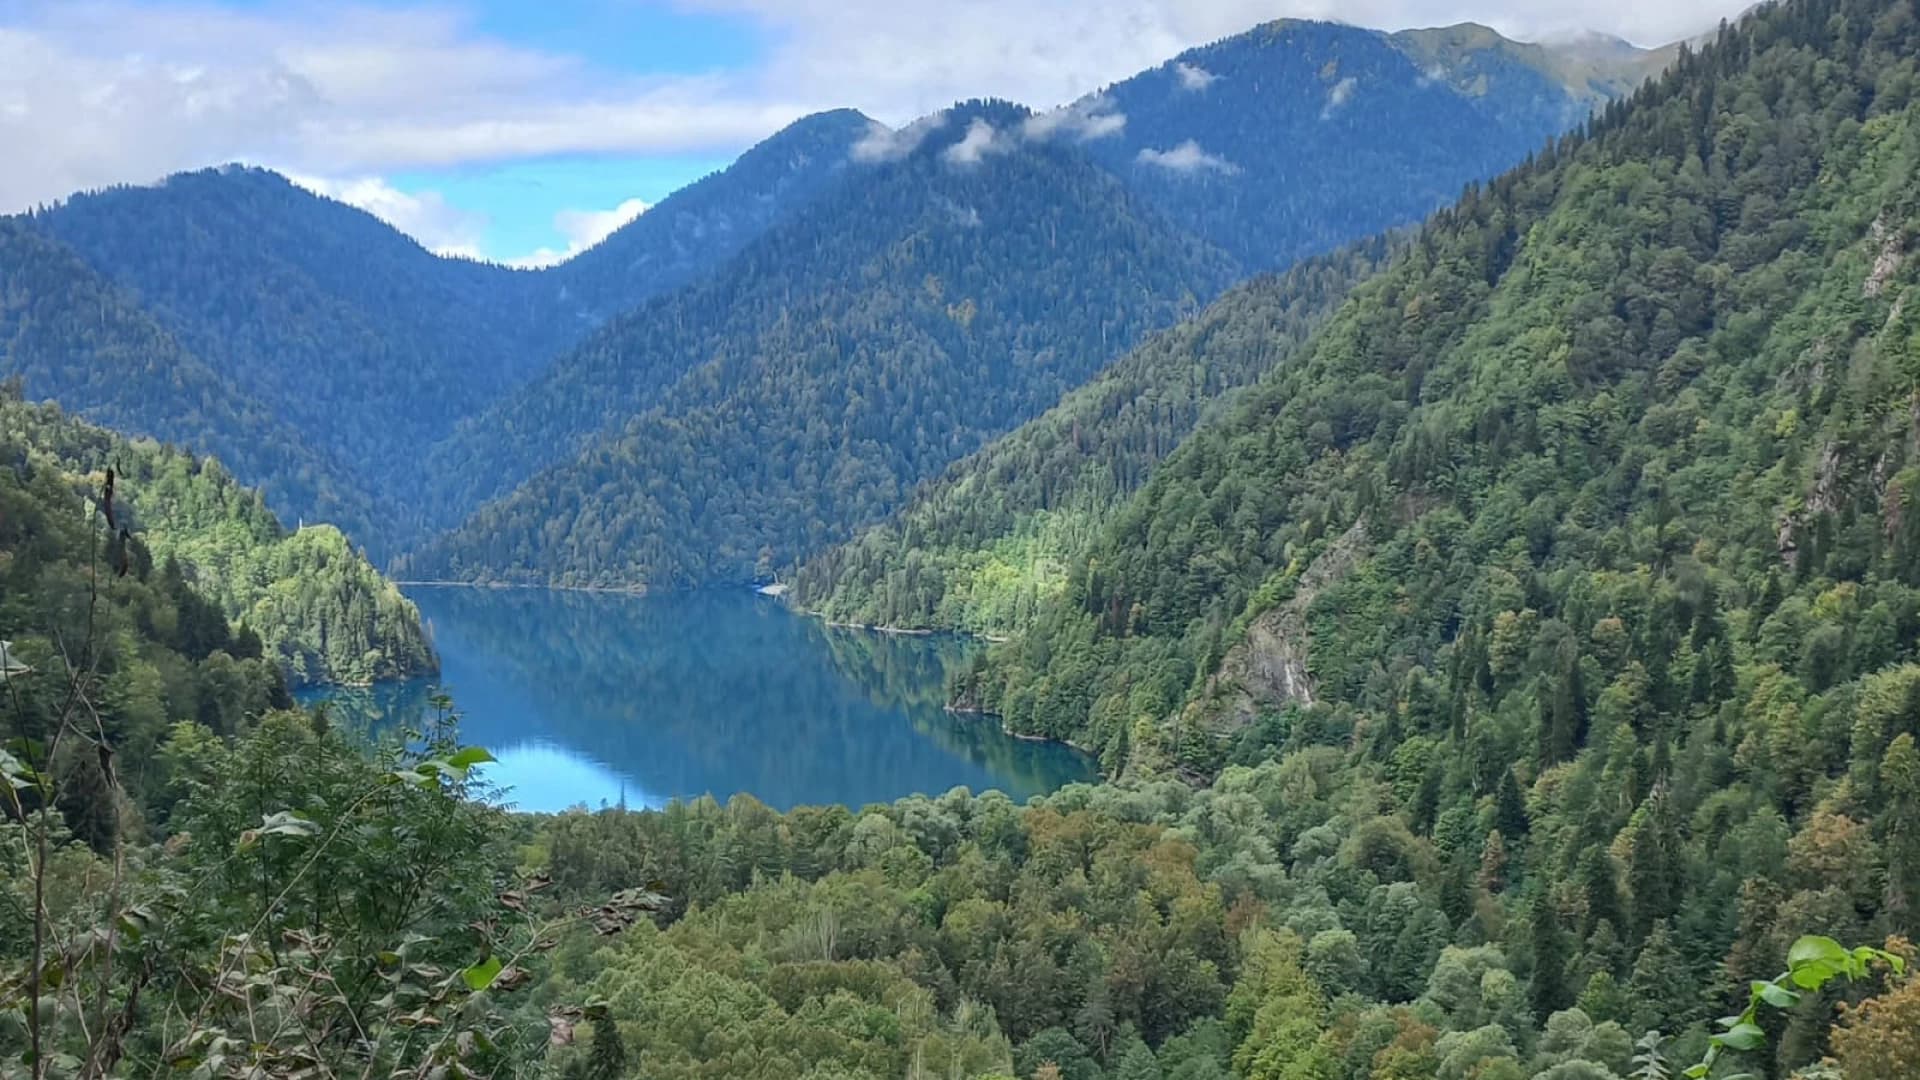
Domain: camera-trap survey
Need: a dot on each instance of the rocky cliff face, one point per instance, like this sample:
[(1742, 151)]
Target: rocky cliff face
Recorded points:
[(1269, 670)]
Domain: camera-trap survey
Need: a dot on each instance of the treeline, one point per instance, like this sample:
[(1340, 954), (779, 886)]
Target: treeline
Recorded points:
[(985, 545), (318, 607)]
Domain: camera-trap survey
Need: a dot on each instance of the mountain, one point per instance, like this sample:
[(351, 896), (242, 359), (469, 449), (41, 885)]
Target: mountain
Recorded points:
[(317, 317), (77, 338), (984, 545), (1296, 137), (894, 325), (313, 604), (702, 225), (335, 323), (1617, 451)]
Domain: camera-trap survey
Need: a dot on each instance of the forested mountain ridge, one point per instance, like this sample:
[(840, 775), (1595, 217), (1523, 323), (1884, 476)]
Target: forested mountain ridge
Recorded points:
[(981, 547), (1296, 137), (699, 227), (1633, 331), (75, 337), (337, 324), (316, 607), (1579, 542), (320, 319), (891, 327)]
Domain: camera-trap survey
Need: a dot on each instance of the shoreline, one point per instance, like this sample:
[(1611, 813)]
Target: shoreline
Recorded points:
[(623, 590)]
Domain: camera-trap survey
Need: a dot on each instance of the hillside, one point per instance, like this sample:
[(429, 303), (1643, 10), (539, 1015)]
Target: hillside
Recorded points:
[(1623, 441), (317, 317), (699, 227), (982, 547), (893, 326), (318, 608), (76, 338), (157, 650), (1297, 137)]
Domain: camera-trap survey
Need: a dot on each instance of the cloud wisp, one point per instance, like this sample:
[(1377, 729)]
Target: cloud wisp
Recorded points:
[(1187, 158), (583, 229), (1193, 76)]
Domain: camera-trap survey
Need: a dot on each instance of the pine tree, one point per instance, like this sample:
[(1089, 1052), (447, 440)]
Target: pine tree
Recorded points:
[(1900, 778), (1597, 883), (1548, 993), (1137, 1063), (1656, 873), (1509, 808), (1661, 989), (607, 1057)]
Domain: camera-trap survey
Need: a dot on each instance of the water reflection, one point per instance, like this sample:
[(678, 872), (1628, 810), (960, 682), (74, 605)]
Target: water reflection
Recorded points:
[(596, 698)]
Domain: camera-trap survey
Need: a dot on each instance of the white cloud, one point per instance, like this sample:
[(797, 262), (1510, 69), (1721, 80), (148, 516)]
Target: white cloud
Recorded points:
[(583, 229), (1087, 119), (1193, 76), (1341, 93), (882, 143), (118, 91), (980, 140), (1187, 158), (426, 216)]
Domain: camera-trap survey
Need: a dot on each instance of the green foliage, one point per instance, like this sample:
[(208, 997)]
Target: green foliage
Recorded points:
[(763, 412), (315, 605), (985, 545)]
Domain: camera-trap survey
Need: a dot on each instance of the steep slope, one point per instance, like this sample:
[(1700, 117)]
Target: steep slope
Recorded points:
[(1297, 137), (74, 337), (158, 651), (321, 610), (332, 323), (986, 544), (892, 327), (698, 228), (343, 327), (1625, 437)]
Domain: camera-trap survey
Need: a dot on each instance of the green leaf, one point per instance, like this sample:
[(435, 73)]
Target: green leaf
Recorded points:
[(1776, 995), (1816, 950), (481, 975), (1697, 1071), (469, 756), (1743, 1037)]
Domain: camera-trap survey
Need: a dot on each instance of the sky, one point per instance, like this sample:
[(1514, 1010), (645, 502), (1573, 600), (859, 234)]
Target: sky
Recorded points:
[(522, 131)]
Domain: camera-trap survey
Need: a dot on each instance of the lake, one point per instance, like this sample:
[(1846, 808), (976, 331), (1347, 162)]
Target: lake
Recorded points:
[(602, 698)]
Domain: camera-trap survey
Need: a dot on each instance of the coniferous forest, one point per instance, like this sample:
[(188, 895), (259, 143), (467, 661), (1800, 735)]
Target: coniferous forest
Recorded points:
[(1492, 609)]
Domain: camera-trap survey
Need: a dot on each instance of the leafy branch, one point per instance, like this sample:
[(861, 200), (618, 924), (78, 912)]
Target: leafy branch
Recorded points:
[(1812, 963)]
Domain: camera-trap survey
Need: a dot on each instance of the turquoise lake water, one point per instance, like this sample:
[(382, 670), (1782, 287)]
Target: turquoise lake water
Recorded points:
[(593, 698)]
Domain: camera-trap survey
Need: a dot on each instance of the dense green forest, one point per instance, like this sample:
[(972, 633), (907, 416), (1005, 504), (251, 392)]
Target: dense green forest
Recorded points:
[(323, 352), (1297, 137), (318, 607), (78, 339), (335, 324), (887, 330), (983, 545), (1633, 419), (1516, 681), (257, 892)]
